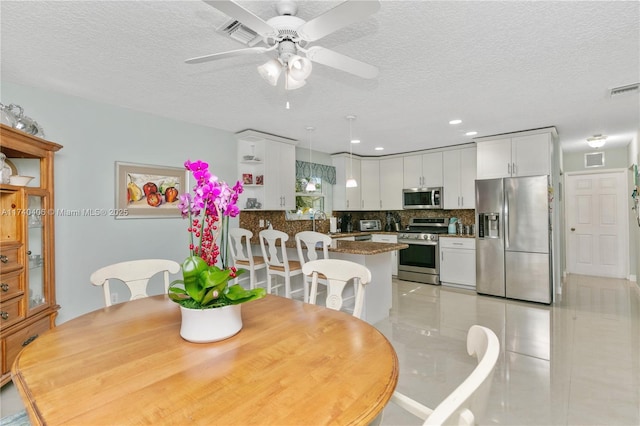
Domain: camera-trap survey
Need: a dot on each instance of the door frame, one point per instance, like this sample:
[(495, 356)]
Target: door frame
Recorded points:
[(624, 207)]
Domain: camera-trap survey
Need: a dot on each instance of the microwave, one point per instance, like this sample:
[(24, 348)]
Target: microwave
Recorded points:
[(422, 198)]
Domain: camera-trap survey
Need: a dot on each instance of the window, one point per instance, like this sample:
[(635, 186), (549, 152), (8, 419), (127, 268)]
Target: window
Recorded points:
[(308, 203)]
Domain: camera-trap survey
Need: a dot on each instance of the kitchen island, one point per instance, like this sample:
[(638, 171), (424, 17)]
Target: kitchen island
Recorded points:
[(377, 258)]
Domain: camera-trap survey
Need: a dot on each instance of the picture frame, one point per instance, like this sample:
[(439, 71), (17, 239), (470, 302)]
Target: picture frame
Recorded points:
[(259, 180), (247, 179), (134, 182)]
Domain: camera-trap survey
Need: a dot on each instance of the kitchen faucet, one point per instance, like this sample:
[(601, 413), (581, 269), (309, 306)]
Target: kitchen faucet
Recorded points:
[(315, 215)]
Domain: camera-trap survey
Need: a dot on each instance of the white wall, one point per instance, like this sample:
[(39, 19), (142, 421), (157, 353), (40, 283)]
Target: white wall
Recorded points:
[(94, 137)]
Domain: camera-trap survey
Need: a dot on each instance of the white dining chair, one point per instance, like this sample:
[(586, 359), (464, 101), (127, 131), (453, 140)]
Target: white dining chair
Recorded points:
[(274, 252), (467, 403), (135, 274), (242, 256), (310, 246), (338, 273)]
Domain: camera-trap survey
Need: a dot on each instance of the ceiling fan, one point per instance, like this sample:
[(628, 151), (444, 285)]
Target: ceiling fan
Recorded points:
[(289, 37)]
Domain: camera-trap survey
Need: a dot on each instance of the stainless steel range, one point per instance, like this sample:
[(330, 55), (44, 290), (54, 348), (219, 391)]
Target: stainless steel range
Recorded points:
[(421, 261)]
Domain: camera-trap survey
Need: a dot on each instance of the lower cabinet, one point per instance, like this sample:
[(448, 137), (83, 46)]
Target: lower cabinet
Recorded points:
[(386, 238), (458, 262)]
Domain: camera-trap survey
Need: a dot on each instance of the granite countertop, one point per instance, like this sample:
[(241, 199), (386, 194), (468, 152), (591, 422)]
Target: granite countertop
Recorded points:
[(357, 233), (364, 247), (456, 236)]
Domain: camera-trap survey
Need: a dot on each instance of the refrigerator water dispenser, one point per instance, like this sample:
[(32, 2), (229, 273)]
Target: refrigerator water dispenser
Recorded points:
[(489, 225)]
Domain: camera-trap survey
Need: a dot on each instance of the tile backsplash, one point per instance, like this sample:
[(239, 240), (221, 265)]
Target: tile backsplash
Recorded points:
[(251, 220)]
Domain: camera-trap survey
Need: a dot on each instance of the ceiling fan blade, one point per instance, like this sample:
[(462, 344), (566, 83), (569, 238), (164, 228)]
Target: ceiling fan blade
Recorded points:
[(230, 53), (340, 16), (246, 17), (344, 63)]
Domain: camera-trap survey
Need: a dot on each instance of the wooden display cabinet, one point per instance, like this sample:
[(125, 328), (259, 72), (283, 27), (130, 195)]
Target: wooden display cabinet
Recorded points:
[(27, 270)]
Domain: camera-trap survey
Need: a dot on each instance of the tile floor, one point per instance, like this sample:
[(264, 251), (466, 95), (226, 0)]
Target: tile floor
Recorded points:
[(575, 363)]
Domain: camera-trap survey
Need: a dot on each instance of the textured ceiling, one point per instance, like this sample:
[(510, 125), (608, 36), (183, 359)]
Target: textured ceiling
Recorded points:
[(498, 66)]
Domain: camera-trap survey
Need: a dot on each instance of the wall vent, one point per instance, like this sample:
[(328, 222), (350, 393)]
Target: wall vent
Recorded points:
[(235, 30), (625, 90), (594, 159)]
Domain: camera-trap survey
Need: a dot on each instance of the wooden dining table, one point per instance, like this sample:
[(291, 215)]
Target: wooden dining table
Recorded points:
[(291, 364)]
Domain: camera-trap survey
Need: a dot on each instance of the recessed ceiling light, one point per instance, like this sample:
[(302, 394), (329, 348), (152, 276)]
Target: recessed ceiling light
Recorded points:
[(379, 148), (455, 121), (471, 133), (355, 140)]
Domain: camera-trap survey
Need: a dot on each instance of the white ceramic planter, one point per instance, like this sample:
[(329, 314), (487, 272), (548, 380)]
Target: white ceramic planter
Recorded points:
[(210, 325)]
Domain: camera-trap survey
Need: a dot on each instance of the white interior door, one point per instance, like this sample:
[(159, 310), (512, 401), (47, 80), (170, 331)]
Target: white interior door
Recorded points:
[(596, 224)]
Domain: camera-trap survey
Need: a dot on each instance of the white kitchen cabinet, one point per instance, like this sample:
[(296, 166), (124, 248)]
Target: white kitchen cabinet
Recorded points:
[(458, 262), (266, 166), (346, 198), (388, 238), (280, 176), (391, 183), (459, 174), (517, 154), (423, 170), (370, 183)]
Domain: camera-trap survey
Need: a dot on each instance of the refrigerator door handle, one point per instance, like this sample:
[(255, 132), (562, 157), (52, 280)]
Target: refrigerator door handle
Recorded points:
[(505, 223)]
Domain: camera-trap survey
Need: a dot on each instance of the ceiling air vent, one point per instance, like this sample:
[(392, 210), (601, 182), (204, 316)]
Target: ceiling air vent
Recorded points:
[(625, 90), (594, 159), (235, 30)]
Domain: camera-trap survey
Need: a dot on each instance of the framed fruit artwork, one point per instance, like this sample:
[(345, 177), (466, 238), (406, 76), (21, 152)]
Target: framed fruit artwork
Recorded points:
[(247, 179), (148, 191)]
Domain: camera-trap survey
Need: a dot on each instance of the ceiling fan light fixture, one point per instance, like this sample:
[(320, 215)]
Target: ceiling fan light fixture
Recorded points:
[(299, 67), (270, 71), (293, 84), (597, 141)]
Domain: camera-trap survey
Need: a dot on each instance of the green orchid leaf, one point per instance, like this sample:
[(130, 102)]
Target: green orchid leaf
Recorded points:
[(237, 294), (215, 278), (192, 267)]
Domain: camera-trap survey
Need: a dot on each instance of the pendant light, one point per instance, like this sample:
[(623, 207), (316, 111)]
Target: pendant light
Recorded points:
[(311, 186), (351, 182)]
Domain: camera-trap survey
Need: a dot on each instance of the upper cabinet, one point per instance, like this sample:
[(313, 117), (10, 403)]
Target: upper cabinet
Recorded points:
[(346, 198), (370, 182), (380, 183), (459, 172), (27, 296), (517, 154), (267, 167), (391, 183), (423, 170)]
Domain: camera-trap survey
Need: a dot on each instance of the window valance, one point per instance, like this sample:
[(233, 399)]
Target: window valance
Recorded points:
[(304, 169)]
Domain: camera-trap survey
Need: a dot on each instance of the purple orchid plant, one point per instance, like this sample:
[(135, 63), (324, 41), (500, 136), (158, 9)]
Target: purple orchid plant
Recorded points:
[(204, 283)]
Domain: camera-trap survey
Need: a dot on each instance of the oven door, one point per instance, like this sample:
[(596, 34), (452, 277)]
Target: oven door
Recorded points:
[(420, 262), (420, 257)]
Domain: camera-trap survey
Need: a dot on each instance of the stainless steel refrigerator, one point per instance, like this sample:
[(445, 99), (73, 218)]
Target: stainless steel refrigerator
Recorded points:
[(513, 250)]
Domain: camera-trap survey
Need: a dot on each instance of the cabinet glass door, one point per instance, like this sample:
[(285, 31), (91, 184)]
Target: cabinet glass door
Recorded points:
[(36, 251)]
